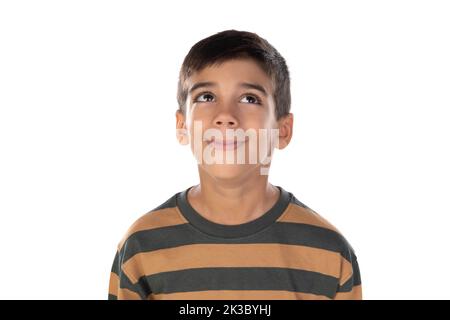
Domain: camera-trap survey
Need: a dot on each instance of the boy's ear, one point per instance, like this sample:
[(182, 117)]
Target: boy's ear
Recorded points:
[(181, 132), (285, 127)]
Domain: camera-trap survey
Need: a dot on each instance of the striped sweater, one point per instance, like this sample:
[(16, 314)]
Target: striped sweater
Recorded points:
[(290, 252)]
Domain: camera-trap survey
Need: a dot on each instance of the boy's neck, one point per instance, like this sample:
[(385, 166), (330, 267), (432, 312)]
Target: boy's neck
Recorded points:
[(233, 202)]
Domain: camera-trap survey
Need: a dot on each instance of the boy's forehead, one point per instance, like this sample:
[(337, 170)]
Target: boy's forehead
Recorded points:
[(232, 72)]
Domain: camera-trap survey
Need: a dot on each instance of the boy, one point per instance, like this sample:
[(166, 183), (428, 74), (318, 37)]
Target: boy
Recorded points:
[(234, 235)]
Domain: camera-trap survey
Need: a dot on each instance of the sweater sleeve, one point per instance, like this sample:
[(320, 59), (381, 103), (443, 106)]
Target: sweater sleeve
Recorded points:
[(350, 282), (120, 285)]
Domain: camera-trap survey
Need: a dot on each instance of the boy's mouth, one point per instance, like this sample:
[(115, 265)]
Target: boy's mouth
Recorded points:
[(226, 144)]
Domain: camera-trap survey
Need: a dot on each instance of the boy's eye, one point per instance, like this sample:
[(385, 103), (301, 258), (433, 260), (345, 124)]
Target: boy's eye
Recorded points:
[(209, 97), (204, 97), (251, 99)]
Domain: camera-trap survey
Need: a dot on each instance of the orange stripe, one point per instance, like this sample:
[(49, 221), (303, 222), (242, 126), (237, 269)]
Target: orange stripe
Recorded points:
[(113, 283), (355, 294), (155, 219), (125, 294), (297, 214), (237, 295), (235, 255)]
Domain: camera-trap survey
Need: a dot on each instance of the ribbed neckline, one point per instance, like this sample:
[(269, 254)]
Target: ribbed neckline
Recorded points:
[(232, 231)]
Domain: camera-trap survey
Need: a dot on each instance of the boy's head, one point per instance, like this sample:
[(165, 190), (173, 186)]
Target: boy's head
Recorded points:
[(233, 81), (232, 44)]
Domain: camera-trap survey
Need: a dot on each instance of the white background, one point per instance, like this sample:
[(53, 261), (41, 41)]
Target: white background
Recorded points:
[(87, 131)]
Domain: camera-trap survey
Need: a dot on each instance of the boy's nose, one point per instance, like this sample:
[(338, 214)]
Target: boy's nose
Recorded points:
[(225, 120), (225, 123)]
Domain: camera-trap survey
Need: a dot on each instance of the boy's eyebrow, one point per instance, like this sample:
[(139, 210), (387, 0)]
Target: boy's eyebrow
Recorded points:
[(254, 86), (197, 85), (249, 85)]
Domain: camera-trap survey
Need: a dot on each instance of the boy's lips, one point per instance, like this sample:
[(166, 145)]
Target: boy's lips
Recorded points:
[(226, 144)]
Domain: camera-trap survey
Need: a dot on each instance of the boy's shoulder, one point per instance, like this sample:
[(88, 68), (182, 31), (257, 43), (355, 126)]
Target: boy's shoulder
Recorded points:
[(298, 212), (164, 215), (319, 229)]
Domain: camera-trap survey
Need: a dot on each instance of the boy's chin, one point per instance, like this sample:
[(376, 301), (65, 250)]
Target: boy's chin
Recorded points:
[(228, 171)]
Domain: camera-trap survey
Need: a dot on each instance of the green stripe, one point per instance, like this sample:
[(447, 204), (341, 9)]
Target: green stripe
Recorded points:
[(202, 279), (280, 232), (115, 266)]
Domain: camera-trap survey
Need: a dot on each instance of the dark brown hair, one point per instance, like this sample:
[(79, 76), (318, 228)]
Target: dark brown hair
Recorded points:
[(233, 44)]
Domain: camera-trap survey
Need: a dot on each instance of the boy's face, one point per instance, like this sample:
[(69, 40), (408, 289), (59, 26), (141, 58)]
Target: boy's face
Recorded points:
[(237, 94)]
